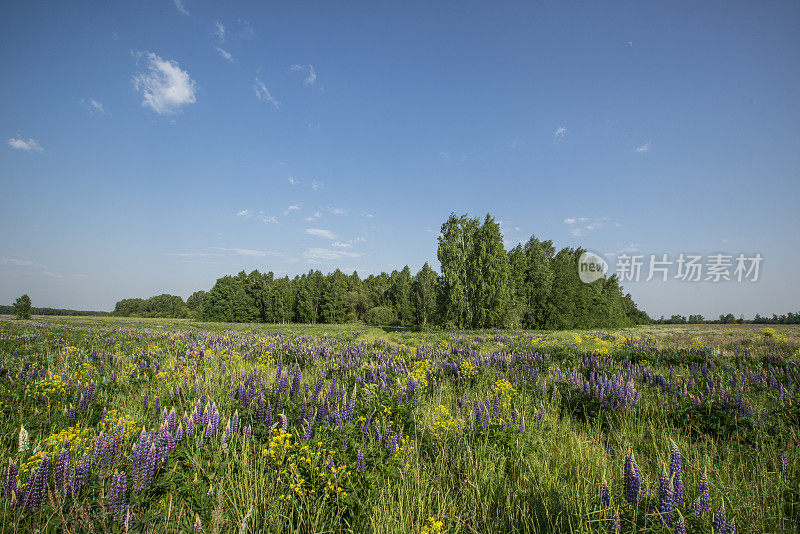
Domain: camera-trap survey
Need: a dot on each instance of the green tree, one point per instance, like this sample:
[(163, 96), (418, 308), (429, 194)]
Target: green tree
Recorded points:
[(196, 302), (22, 307), (455, 254), (424, 292), (489, 277)]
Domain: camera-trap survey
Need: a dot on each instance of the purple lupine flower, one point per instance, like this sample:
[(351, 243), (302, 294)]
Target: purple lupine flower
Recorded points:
[(675, 473), (179, 433), (632, 480), (81, 473), (704, 497), (665, 499), (36, 489), (680, 525), (198, 526), (605, 496), (784, 464), (360, 461), (157, 403), (62, 463), (720, 523), (235, 421), (247, 431), (145, 401), (10, 481), (117, 495)]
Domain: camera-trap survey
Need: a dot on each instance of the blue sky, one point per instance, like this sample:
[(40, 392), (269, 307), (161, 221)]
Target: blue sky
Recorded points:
[(151, 147)]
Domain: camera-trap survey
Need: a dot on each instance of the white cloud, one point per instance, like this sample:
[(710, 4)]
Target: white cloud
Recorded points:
[(644, 148), (337, 211), (264, 218), (629, 43), (317, 185), (262, 93), (191, 254), (560, 134), (308, 70), (18, 263), (292, 180), (22, 144), (293, 208), (319, 232), (370, 216), (249, 252), (578, 226), (224, 53), (340, 244), (179, 6), (94, 107), (328, 254), (219, 31), (244, 213), (314, 216), (164, 85)]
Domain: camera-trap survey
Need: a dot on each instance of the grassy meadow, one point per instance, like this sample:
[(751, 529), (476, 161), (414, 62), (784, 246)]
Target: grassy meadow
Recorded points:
[(159, 425)]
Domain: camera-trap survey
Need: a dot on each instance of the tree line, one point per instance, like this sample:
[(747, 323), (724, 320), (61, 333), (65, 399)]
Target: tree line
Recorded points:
[(482, 285), (788, 318)]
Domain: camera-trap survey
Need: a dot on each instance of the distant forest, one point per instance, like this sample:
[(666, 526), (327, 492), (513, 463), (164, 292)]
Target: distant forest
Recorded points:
[(481, 286), (789, 318), (9, 310)]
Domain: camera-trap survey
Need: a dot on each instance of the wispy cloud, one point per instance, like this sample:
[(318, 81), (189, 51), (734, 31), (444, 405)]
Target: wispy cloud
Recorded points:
[(560, 135), (290, 209), (319, 232), (164, 85), (18, 262), (316, 254), (246, 30), (317, 185), (337, 211), (578, 226), (219, 31), (94, 107), (249, 252), (269, 219), (244, 213), (644, 148), (262, 93), (370, 216), (623, 249), (192, 254), (292, 180), (21, 144), (314, 216), (225, 54), (340, 244), (179, 6), (308, 70), (38, 268)]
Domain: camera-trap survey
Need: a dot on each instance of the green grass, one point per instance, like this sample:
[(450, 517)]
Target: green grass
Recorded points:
[(543, 479)]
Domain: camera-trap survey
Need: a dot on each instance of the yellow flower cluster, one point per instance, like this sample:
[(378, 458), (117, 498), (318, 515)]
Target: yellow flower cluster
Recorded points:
[(50, 387), (420, 373), (79, 441), (468, 371), (443, 422), (433, 526), (504, 390), (113, 418), (305, 468)]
